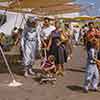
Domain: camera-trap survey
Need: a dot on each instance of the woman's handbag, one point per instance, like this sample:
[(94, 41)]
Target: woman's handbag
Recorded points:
[(64, 37)]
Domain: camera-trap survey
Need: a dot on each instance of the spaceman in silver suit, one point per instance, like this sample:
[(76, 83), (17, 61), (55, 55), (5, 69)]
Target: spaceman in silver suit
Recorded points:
[(28, 43)]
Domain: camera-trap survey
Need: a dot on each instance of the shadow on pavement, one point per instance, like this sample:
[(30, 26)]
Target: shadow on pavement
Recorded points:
[(16, 68), (74, 70), (75, 88)]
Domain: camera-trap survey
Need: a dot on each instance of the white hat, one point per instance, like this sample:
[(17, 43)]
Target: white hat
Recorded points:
[(32, 19)]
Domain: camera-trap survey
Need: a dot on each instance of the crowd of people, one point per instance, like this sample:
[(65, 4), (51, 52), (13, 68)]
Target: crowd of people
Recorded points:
[(54, 40), (49, 41)]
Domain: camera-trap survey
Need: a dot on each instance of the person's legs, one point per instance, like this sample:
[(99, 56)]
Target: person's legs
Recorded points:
[(76, 38), (87, 83), (60, 70), (95, 79), (88, 77), (26, 74), (27, 54), (69, 48), (28, 57), (62, 67), (32, 55)]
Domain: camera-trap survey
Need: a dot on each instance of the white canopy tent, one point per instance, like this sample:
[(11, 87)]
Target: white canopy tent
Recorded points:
[(51, 7), (13, 19)]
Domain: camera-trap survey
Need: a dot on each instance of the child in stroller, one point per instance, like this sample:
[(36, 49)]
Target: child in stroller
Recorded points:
[(48, 69)]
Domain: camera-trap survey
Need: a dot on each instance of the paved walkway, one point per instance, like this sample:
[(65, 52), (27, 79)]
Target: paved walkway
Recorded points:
[(68, 87)]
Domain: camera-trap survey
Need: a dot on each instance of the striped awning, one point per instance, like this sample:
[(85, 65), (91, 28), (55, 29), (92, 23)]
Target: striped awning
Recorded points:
[(4, 0), (37, 3), (42, 7), (83, 18), (58, 9)]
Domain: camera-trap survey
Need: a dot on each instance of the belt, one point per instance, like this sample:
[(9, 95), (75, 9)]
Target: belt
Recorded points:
[(92, 62), (31, 39)]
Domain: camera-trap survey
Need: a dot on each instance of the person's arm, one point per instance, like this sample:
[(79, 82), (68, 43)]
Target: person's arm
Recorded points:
[(41, 37), (17, 41), (44, 42), (49, 43), (39, 28), (98, 61)]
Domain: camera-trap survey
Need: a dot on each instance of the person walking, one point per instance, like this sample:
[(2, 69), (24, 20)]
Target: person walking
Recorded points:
[(92, 72)]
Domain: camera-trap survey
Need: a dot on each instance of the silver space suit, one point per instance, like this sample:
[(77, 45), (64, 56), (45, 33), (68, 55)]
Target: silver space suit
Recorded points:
[(29, 42)]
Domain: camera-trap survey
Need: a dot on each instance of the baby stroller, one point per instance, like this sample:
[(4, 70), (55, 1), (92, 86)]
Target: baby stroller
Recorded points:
[(47, 68)]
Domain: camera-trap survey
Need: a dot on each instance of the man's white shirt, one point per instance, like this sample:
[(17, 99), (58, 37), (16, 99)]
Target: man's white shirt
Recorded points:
[(46, 32)]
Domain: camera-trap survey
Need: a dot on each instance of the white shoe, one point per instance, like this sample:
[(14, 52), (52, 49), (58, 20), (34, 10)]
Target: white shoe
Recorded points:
[(68, 58), (85, 89), (71, 55), (26, 74), (74, 46), (95, 89), (31, 72)]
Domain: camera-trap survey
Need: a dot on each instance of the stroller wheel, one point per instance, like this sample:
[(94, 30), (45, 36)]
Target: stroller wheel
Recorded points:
[(43, 80)]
